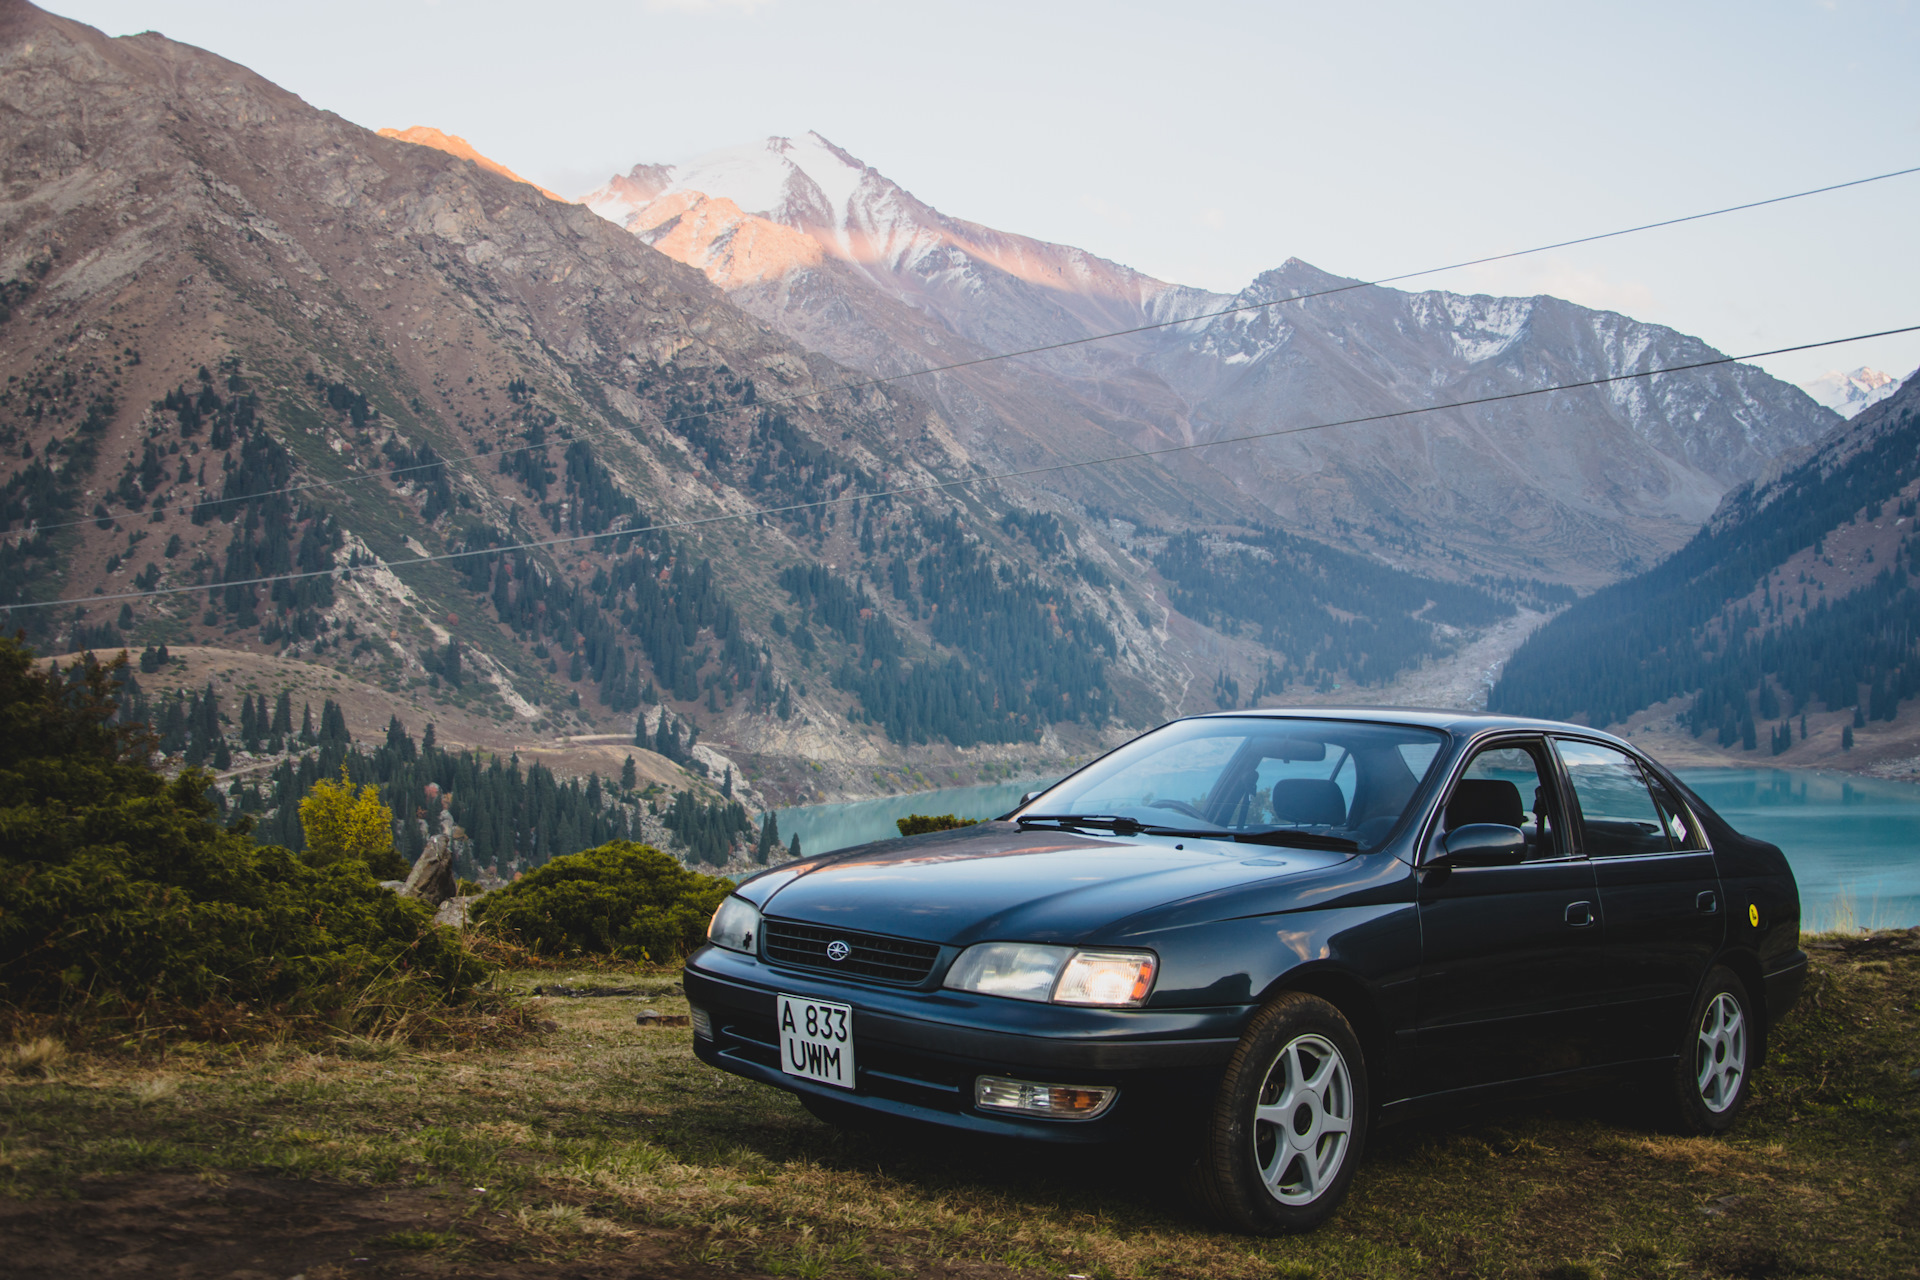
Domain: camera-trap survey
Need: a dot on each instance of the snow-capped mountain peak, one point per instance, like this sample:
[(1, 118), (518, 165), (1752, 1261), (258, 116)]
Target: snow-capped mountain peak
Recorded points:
[(1848, 393), (803, 182), (855, 214)]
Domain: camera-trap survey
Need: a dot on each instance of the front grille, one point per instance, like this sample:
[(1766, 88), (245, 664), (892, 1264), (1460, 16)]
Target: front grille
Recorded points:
[(870, 955)]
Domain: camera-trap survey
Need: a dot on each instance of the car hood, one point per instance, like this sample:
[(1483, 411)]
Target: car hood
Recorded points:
[(995, 881)]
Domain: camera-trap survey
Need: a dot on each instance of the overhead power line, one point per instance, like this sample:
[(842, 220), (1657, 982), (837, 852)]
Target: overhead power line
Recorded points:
[(887, 379), (967, 481)]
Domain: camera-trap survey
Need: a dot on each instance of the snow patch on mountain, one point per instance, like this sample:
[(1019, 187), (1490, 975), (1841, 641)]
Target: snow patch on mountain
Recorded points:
[(1848, 393), (1478, 327)]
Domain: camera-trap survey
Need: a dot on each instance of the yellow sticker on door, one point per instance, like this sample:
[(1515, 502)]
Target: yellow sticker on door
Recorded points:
[(1753, 914)]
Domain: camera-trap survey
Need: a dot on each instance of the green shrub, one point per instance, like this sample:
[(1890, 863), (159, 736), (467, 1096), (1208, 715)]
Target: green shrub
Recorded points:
[(623, 899), (119, 893), (918, 824)]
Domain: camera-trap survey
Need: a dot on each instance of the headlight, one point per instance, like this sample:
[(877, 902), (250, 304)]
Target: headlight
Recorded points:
[(1017, 970), (1106, 977), (735, 925), (1031, 971)]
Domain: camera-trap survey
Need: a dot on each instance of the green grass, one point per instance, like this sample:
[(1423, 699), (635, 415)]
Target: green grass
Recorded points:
[(604, 1140)]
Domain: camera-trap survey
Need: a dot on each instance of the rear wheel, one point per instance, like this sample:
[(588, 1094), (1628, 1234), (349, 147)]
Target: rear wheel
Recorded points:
[(1288, 1122), (1714, 1071)]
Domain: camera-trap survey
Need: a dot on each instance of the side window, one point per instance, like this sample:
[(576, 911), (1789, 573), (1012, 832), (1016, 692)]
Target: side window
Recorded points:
[(1508, 785), (1617, 814), (1683, 829)]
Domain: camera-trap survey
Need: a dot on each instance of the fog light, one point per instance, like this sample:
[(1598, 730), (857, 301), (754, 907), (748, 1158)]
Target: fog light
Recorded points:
[(1053, 1101), (702, 1021)]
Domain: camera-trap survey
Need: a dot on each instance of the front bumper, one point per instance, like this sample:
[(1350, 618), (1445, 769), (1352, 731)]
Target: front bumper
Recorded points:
[(917, 1052)]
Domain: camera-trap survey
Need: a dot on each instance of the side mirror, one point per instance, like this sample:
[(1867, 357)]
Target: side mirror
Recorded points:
[(1025, 800), (1483, 844)]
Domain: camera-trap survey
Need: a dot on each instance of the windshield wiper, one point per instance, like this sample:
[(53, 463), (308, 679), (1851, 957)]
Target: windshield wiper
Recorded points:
[(1119, 824), (1298, 840)]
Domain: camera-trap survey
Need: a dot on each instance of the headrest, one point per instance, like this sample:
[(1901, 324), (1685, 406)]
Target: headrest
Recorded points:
[(1485, 800), (1309, 801)]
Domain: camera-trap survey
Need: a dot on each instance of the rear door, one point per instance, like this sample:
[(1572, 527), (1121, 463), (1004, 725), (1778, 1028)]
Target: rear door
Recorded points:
[(1660, 897), (1510, 956)]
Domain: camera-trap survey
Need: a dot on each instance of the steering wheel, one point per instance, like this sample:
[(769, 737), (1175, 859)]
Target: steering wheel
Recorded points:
[(1179, 806)]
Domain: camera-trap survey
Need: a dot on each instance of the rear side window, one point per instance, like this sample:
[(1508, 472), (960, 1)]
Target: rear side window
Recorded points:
[(1618, 818), (1683, 829)]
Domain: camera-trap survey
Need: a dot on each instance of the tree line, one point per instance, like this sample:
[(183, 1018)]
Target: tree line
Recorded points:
[(1672, 631)]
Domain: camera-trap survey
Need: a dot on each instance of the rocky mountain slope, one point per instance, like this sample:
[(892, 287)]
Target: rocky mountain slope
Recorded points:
[(1574, 488), (379, 413), (1787, 627)]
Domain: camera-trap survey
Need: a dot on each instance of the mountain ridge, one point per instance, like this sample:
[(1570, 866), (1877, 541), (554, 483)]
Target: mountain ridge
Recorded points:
[(455, 145), (888, 280)]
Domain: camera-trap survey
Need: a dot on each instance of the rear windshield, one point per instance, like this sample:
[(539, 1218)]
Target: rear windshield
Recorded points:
[(1246, 774)]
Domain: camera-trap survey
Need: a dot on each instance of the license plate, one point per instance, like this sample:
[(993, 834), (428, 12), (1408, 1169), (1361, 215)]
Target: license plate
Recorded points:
[(816, 1040)]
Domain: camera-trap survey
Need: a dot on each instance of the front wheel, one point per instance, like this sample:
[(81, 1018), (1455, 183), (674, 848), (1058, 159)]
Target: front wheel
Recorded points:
[(1288, 1122), (1715, 1067)]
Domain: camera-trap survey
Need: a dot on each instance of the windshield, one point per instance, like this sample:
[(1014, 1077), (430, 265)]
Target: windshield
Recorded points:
[(1319, 783)]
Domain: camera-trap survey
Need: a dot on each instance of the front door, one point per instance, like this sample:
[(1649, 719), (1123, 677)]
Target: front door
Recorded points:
[(1659, 897), (1510, 956)]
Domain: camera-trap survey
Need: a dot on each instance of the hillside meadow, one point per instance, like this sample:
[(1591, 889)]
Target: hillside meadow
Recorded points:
[(585, 1145)]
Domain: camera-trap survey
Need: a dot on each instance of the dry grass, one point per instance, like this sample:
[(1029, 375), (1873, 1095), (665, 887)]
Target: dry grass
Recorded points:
[(36, 1057), (607, 1148)]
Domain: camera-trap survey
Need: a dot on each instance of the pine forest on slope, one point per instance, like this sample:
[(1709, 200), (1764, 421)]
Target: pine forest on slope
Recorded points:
[(1801, 595)]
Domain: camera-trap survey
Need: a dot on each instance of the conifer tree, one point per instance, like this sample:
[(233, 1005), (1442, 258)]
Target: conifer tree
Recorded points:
[(398, 740)]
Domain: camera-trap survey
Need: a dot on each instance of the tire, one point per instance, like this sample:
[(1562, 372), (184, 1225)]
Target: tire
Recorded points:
[(1288, 1122), (1714, 1069)]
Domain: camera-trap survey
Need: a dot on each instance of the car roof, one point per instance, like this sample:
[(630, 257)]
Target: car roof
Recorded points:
[(1461, 723)]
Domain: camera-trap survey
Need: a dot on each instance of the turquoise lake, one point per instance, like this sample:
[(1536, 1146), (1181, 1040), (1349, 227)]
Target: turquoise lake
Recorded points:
[(1854, 842)]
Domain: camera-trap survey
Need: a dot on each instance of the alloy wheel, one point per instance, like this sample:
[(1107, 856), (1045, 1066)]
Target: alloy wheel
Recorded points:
[(1720, 1055), (1303, 1121)]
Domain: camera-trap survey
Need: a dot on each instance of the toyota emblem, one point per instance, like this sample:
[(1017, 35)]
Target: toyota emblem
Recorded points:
[(838, 950)]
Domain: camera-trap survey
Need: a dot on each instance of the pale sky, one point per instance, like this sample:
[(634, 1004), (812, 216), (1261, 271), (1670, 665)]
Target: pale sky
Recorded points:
[(1207, 142)]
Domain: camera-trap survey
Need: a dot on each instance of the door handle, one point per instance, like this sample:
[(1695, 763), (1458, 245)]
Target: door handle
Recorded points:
[(1707, 903), (1579, 914)]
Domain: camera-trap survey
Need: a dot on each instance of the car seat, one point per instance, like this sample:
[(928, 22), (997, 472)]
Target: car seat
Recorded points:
[(1314, 802), (1485, 800)]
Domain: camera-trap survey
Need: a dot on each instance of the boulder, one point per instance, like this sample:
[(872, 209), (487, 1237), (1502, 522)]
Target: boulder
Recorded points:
[(432, 880), (454, 911)]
